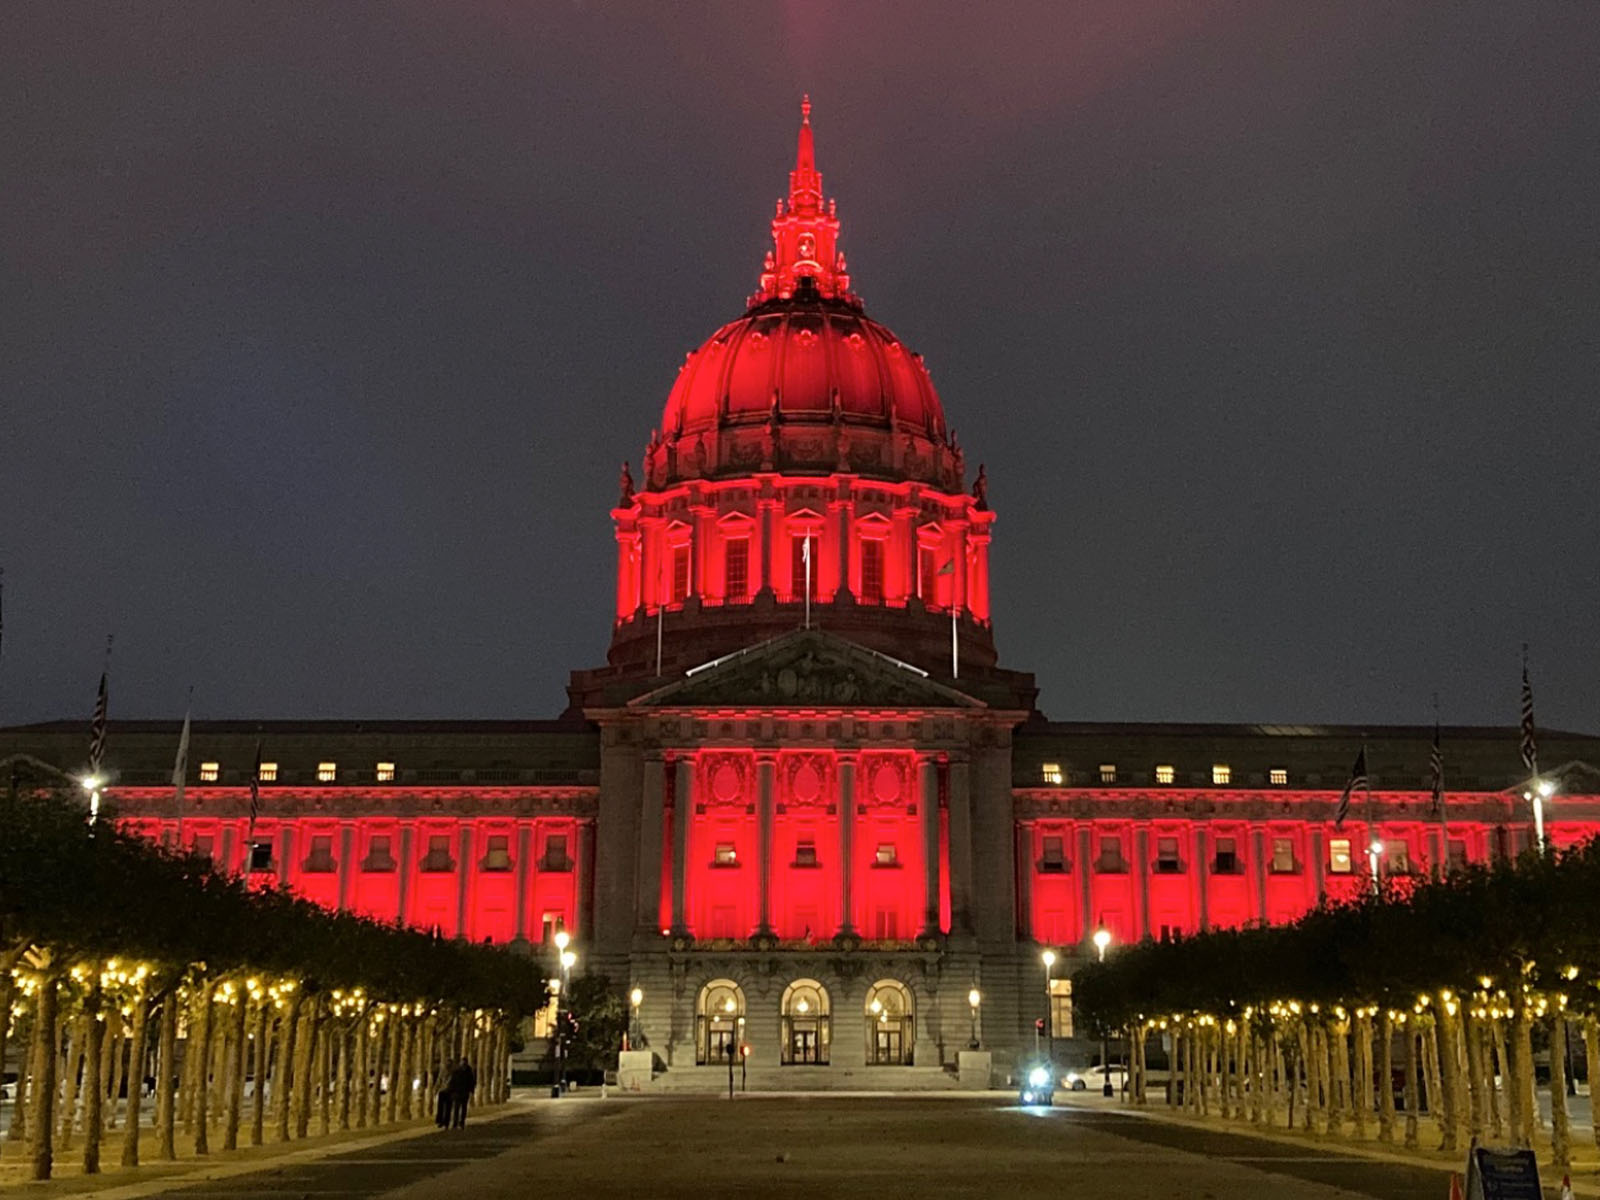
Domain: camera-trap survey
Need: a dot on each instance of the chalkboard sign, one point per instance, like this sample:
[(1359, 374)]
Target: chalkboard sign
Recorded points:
[(1502, 1175)]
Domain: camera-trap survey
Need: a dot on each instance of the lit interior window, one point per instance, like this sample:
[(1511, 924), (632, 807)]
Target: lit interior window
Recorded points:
[(210, 772), (1221, 773), (886, 856), (1278, 775), (385, 772), (269, 772), (1050, 772), (1339, 856), (1108, 772), (327, 772), (1165, 773), (725, 855)]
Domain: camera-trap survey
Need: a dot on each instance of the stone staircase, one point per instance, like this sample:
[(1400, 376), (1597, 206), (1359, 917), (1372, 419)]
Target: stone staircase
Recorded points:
[(707, 1081)]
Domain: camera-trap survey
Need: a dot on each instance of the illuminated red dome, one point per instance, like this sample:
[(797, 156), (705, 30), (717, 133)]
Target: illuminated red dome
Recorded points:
[(804, 381)]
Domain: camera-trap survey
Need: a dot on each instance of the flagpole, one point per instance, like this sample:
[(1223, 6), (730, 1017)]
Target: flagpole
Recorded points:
[(805, 549), (1374, 843), (180, 765), (1530, 753), (1436, 769), (97, 735), (955, 659)]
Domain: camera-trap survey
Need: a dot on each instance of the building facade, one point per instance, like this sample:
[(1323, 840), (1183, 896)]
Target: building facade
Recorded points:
[(802, 806)]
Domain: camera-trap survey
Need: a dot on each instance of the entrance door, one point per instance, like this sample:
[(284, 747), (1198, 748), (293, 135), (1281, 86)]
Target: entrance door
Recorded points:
[(804, 1047), (721, 1033), (889, 1046)]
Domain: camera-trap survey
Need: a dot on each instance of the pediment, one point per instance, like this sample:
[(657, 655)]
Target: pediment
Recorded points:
[(806, 669)]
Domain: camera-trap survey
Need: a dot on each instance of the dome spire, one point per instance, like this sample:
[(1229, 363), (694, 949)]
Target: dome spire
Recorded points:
[(805, 251)]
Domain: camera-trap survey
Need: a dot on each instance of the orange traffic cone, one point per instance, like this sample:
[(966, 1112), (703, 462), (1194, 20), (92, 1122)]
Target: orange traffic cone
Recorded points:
[(1455, 1186)]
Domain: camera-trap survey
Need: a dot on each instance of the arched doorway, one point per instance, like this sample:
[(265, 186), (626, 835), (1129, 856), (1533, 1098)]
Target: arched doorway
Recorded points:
[(806, 1024), (719, 1018), (890, 1024)]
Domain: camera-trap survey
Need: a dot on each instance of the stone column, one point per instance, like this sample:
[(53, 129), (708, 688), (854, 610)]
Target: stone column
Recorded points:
[(847, 862), (1024, 837), (347, 842), (1084, 867), (961, 849), (647, 897), (584, 885), (286, 844), (1141, 864), (1319, 864), (405, 866), (1202, 878), (524, 858), (766, 768), (1258, 839), (930, 846), (842, 526), (767, 507), (678, 818), (464, 866)]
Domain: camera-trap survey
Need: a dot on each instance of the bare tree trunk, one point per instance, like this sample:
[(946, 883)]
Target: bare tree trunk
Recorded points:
[(1413, 1099), (1361, 1103), (1522, 1102), (8, 992), (347, 1043), (166, 1074), (363, 1065), (282, 1084), (237, 1035), (113, 1072), (408, 1050), (1591, 1051), (1560, 1124), (1448, 1031), (260, 1058), (1478, 1082), (93, 1061), (22, 1099), (202, 1054), (1427, 1031), (1502, 1072), (45, 1055), (391, 1060), (67, 1119), (304, 1067), (135, 1074), (1385, 1075), (324, 1074), (1338, 1076)]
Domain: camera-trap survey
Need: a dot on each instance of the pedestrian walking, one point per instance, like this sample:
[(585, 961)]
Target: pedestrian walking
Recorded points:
[(463, 1082), (443, 1104)]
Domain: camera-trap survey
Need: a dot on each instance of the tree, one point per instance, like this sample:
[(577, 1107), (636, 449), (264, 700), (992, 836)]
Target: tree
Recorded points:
[(601, 1021)]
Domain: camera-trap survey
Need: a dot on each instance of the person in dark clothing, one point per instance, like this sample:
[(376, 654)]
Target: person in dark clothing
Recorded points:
[(444, 1105), (463, 1082)]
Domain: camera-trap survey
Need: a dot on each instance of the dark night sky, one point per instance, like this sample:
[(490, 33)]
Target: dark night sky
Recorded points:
[(324, 328)]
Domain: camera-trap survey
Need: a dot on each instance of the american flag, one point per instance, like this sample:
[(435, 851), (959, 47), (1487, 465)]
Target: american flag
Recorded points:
[(255, 788), (1436, 771), (97, 729), (1358, 779), (1530, 748)]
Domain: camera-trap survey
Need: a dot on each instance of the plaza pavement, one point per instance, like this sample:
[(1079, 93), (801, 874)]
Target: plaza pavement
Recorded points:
[(815, 1146)]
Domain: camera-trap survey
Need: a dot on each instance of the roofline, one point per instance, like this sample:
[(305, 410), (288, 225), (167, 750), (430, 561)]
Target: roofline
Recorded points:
[(1199, 729), (278, 726)]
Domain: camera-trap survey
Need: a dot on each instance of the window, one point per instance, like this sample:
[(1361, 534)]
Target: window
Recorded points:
[(736, 569), (1457, 854), (438, 856), (928, 576), (1050, 773), (1396, 857), (261, 856), (327, 772), (885, 856), (1165, 773), (1061, 1008), (378, 856), (805, 853), (210, 772), (680, 575), (268, 772), (551, 924), (201, 848), (1221, 773), (1054, 858), (1339, 856), (555, 854), (497, 857), (886, 924), (1227, 856), (725, 855), (1111, 860), (1278, 776), (1167, 862), (320, 860), (385, 772), (1283, 856), (798, 569), (871, 571), (1108, 772)]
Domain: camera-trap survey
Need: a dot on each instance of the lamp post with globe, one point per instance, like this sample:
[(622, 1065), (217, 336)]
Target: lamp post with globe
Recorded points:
[(1102, 939), (974, 998), (567, 959), (635, 998), (1049, 959)]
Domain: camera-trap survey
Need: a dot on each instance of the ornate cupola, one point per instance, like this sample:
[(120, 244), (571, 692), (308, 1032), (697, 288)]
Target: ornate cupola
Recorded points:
[(803, 448)]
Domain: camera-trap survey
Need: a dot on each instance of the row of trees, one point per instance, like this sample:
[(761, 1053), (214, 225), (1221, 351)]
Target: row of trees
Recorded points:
[(1447, 985), (126, 967)]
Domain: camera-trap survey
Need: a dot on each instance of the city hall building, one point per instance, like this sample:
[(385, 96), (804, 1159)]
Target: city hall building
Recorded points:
[(802, 805)]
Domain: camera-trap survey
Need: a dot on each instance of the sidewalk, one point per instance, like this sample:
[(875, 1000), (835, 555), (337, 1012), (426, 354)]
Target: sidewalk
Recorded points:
[(1585, 1156), (118, 1183)]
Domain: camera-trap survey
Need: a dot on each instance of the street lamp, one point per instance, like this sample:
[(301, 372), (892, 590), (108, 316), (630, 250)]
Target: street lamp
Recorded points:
[(1543, 792), (567, 959), (1102, 940), (635, 998), (974, 998), (1049, 957), (92, 785)]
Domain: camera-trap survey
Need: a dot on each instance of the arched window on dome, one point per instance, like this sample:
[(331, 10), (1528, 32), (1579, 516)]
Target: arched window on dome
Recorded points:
[(933, 587), (873, 554)]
